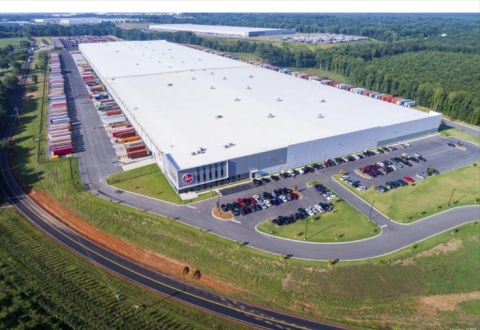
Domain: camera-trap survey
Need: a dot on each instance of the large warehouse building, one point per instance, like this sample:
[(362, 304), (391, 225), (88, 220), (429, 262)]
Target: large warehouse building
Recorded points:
[(210, 120), (218, 30)]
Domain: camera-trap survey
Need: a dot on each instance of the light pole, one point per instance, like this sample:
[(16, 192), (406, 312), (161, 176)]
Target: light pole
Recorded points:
[(371, 209), (448, 205), (306, 225)]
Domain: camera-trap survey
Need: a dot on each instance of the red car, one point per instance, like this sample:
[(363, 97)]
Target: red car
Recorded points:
[(317, 185), (241, 202), (409, 179), (327, 164), (294, 196), (252, 200)]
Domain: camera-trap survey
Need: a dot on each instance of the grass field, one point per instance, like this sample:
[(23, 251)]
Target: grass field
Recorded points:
[(154, 184), (450, 131), (427, 197), (55, 282), (11, 41), (381, 292), (344, 225)]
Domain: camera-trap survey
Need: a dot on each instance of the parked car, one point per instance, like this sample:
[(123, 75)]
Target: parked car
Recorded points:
[(257, 182), (450, 145), (265, 180), (409, 179), (235, 212), (274, 177)]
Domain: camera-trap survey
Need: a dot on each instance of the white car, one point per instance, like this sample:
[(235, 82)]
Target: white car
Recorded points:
[(310, 213), (330, 197), (319, 209), (300, 170), (344, 177), (345, 159), (284, 199), (356, 157), (416, 155), (419, 177), (381, 164), (404, 155), (375, 151), (407, 144), (267, 202), (314, 209), (263, 205), (257, 198), (273, 193), (361, 188), (291, 172)]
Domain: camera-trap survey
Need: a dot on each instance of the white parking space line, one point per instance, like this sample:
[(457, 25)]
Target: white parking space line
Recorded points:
[(383, 226), (192, 207), (235, 221)]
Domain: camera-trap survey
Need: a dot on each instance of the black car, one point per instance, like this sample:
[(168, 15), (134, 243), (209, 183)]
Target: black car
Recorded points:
[(242, 211), (252, 208), (351, 158), (450, 145), (274, 178), (414, 160), (300, 215), (290, 219), (380, 151), (317, 167), (247, 201), (229, 206), (331, 162), (235, 212), (236, 205), (277, 222), (283, 175), (422, 159), (265, 180), (257, 182), (224, 208)]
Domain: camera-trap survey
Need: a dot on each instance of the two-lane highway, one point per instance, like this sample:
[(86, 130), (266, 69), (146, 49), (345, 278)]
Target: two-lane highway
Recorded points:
[(129, 270)]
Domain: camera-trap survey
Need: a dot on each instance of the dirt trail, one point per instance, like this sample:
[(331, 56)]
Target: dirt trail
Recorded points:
[(449, 302)]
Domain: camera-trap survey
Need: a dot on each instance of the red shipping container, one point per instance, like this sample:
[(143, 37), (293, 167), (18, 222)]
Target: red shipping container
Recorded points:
[(127, 135), (136, 148), (138, 153), (63, 151), (115, 134), (113, 112)]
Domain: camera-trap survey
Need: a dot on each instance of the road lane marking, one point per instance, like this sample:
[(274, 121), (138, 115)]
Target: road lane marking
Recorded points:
[(235, 221), (192, 207), (383, 226)]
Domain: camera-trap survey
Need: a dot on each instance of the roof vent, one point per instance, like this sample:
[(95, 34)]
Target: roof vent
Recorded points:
[(226, 146), (248, 87), (237, 99), (117, 51), (169, 85), (279, 100), (224, 78), (159, 62), (143, 53), (211, 87), (251, 77), (199, 59), (183, 61), (323, 101), (172, 57), (169, 49), (270, 116), (320, 116), (212, 73), (169, 67), (219, 117), (193, 153), (193, 78), (138, 64), (201, 150)]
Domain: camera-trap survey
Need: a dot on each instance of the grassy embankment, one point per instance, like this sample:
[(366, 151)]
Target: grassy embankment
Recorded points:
[(366, 294), (345, 224), (42, 285), (427, 197), (150, 181)]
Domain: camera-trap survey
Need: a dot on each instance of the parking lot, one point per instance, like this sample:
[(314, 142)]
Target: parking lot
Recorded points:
[(434, 149)]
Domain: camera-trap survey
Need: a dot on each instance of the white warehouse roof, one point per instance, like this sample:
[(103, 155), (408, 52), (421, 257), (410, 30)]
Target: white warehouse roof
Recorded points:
[(175, 93), (218, 29)]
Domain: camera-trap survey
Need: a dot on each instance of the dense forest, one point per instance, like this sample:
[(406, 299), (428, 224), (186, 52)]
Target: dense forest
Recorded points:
[(10, 67), (431, 58)]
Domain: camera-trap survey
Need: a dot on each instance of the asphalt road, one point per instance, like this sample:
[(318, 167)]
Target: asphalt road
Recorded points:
[(98, 161), (202, 299)]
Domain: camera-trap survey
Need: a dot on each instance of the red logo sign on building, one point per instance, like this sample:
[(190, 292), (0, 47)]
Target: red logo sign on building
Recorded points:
[(187, 178)]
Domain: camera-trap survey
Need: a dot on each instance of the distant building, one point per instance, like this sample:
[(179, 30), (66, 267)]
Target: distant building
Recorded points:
[(84, 20), (221, 31)]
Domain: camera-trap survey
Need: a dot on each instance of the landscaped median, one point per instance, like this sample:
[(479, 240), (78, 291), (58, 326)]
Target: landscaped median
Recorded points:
[(427, 197), (150, 181), (345, 224)]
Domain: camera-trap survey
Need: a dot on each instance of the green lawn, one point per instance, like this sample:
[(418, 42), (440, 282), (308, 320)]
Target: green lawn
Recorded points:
[(427, 197), (150, 181), (346, 224), (11, 41), (44, 286), (450, 131)]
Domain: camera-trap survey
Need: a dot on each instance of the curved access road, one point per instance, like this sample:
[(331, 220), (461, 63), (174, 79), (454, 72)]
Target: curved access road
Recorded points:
[(205, 300)]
